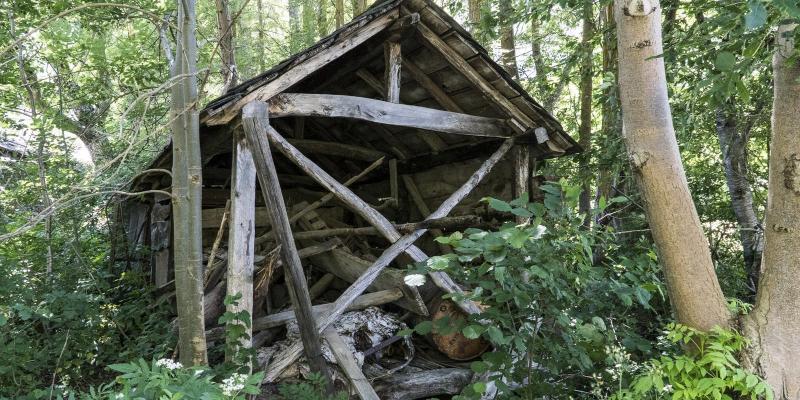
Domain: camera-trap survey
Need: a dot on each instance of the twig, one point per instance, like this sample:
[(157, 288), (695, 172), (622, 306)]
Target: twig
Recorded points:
[(55, 370), (217, 240)]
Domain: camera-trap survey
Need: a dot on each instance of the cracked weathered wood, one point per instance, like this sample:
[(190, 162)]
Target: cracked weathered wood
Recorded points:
[(391, 74), (282, 318), (382, 112), (255, 122), (423, 384), (401, 244), (242, 231), (347, 362), (303, 69)]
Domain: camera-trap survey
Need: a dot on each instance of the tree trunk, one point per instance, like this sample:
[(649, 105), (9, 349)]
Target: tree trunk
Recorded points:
[(774, 324), (733, 144), (186, 193), (262, 51), (585, 129), (508, 56), (339, 13), (230, 74), (692, 284), (295, 24), (610, 128)]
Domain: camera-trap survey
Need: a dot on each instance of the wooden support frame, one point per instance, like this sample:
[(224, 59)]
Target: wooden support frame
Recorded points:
[(348, 363), (282, 318), (460, 64), (255, 122), (242, 229), (391, 74), (160, 240), (370, 214), (300, 71), (290, 354), (381, 112), (432, 87)]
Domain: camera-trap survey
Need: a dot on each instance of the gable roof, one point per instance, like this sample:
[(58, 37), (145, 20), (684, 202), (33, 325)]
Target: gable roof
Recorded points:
[(441, 24), (347, 61)]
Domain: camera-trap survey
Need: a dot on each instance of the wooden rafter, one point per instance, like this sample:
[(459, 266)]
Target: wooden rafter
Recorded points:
[(255, 123), (329, 105), (432, 87), (469, 72), (302, 70), (391, 74), (400, 244)]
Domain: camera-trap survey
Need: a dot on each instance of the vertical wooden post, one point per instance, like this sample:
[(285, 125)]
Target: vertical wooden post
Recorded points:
[(255, 121), (241, 234), (522, 172), (394, 61), (160, 233)]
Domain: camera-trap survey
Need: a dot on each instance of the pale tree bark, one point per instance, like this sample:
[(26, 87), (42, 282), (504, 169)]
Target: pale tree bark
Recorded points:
[(230, 74), (508, 56), (683, 251), (33, 102), (773, 326), (186, 192), (262, 51), (610, 106), (585, 128), (474, 14), (733, 141), (339, 13), (358, 7)]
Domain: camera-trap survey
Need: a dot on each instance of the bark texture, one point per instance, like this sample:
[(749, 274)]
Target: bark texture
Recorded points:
[(585, 128), (653, 153), (230, 74), (186, 193), (733, 144), (508, 56), (774, 324)]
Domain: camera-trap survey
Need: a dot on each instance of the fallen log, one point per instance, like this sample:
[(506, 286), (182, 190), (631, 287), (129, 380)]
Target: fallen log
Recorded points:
[(446, 223), (282, 318), (423, 384)]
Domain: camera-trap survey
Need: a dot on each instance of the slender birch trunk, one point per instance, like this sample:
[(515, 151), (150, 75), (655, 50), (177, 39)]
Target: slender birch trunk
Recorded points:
[(508, 56), (187, 192), (230, 74), (585, 128), (733, 146), (773, 326), (692, 284)]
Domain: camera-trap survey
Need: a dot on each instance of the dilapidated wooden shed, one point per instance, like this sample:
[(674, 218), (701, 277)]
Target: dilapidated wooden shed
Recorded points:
[(368, 144)]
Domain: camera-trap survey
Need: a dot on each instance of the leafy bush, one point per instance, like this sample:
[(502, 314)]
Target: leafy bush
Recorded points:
[(709, 370), (560, 316), (312, 389)]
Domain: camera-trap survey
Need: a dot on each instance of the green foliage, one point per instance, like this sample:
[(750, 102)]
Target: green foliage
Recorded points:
[(313, 388), (707, 370), (556, 311), (237, 358), (167, 379)]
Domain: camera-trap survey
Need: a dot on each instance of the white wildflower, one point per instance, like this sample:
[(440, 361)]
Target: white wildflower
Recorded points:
[(668, 388), (232, 385), (540, 231), (119, 396), (414, 280), (168, 364)]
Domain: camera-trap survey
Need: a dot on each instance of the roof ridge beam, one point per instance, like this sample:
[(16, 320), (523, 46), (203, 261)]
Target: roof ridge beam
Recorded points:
[(382, 112)]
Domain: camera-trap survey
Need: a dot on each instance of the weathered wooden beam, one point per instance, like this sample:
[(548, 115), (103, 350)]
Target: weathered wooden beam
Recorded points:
[(394, 185), (401, 244), (337, 149), (349, 268), (255, 122), (434, 142), (448, 223), (339, 106), (376, 219), (432, 87), (391, 74), (423, 384), (323, 200), (522, 173), (469, 72), (282, 318), (423, 209), (371, 80), (242, 232), (160, 234), (212, 217), (304, 68), (347, 362)]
